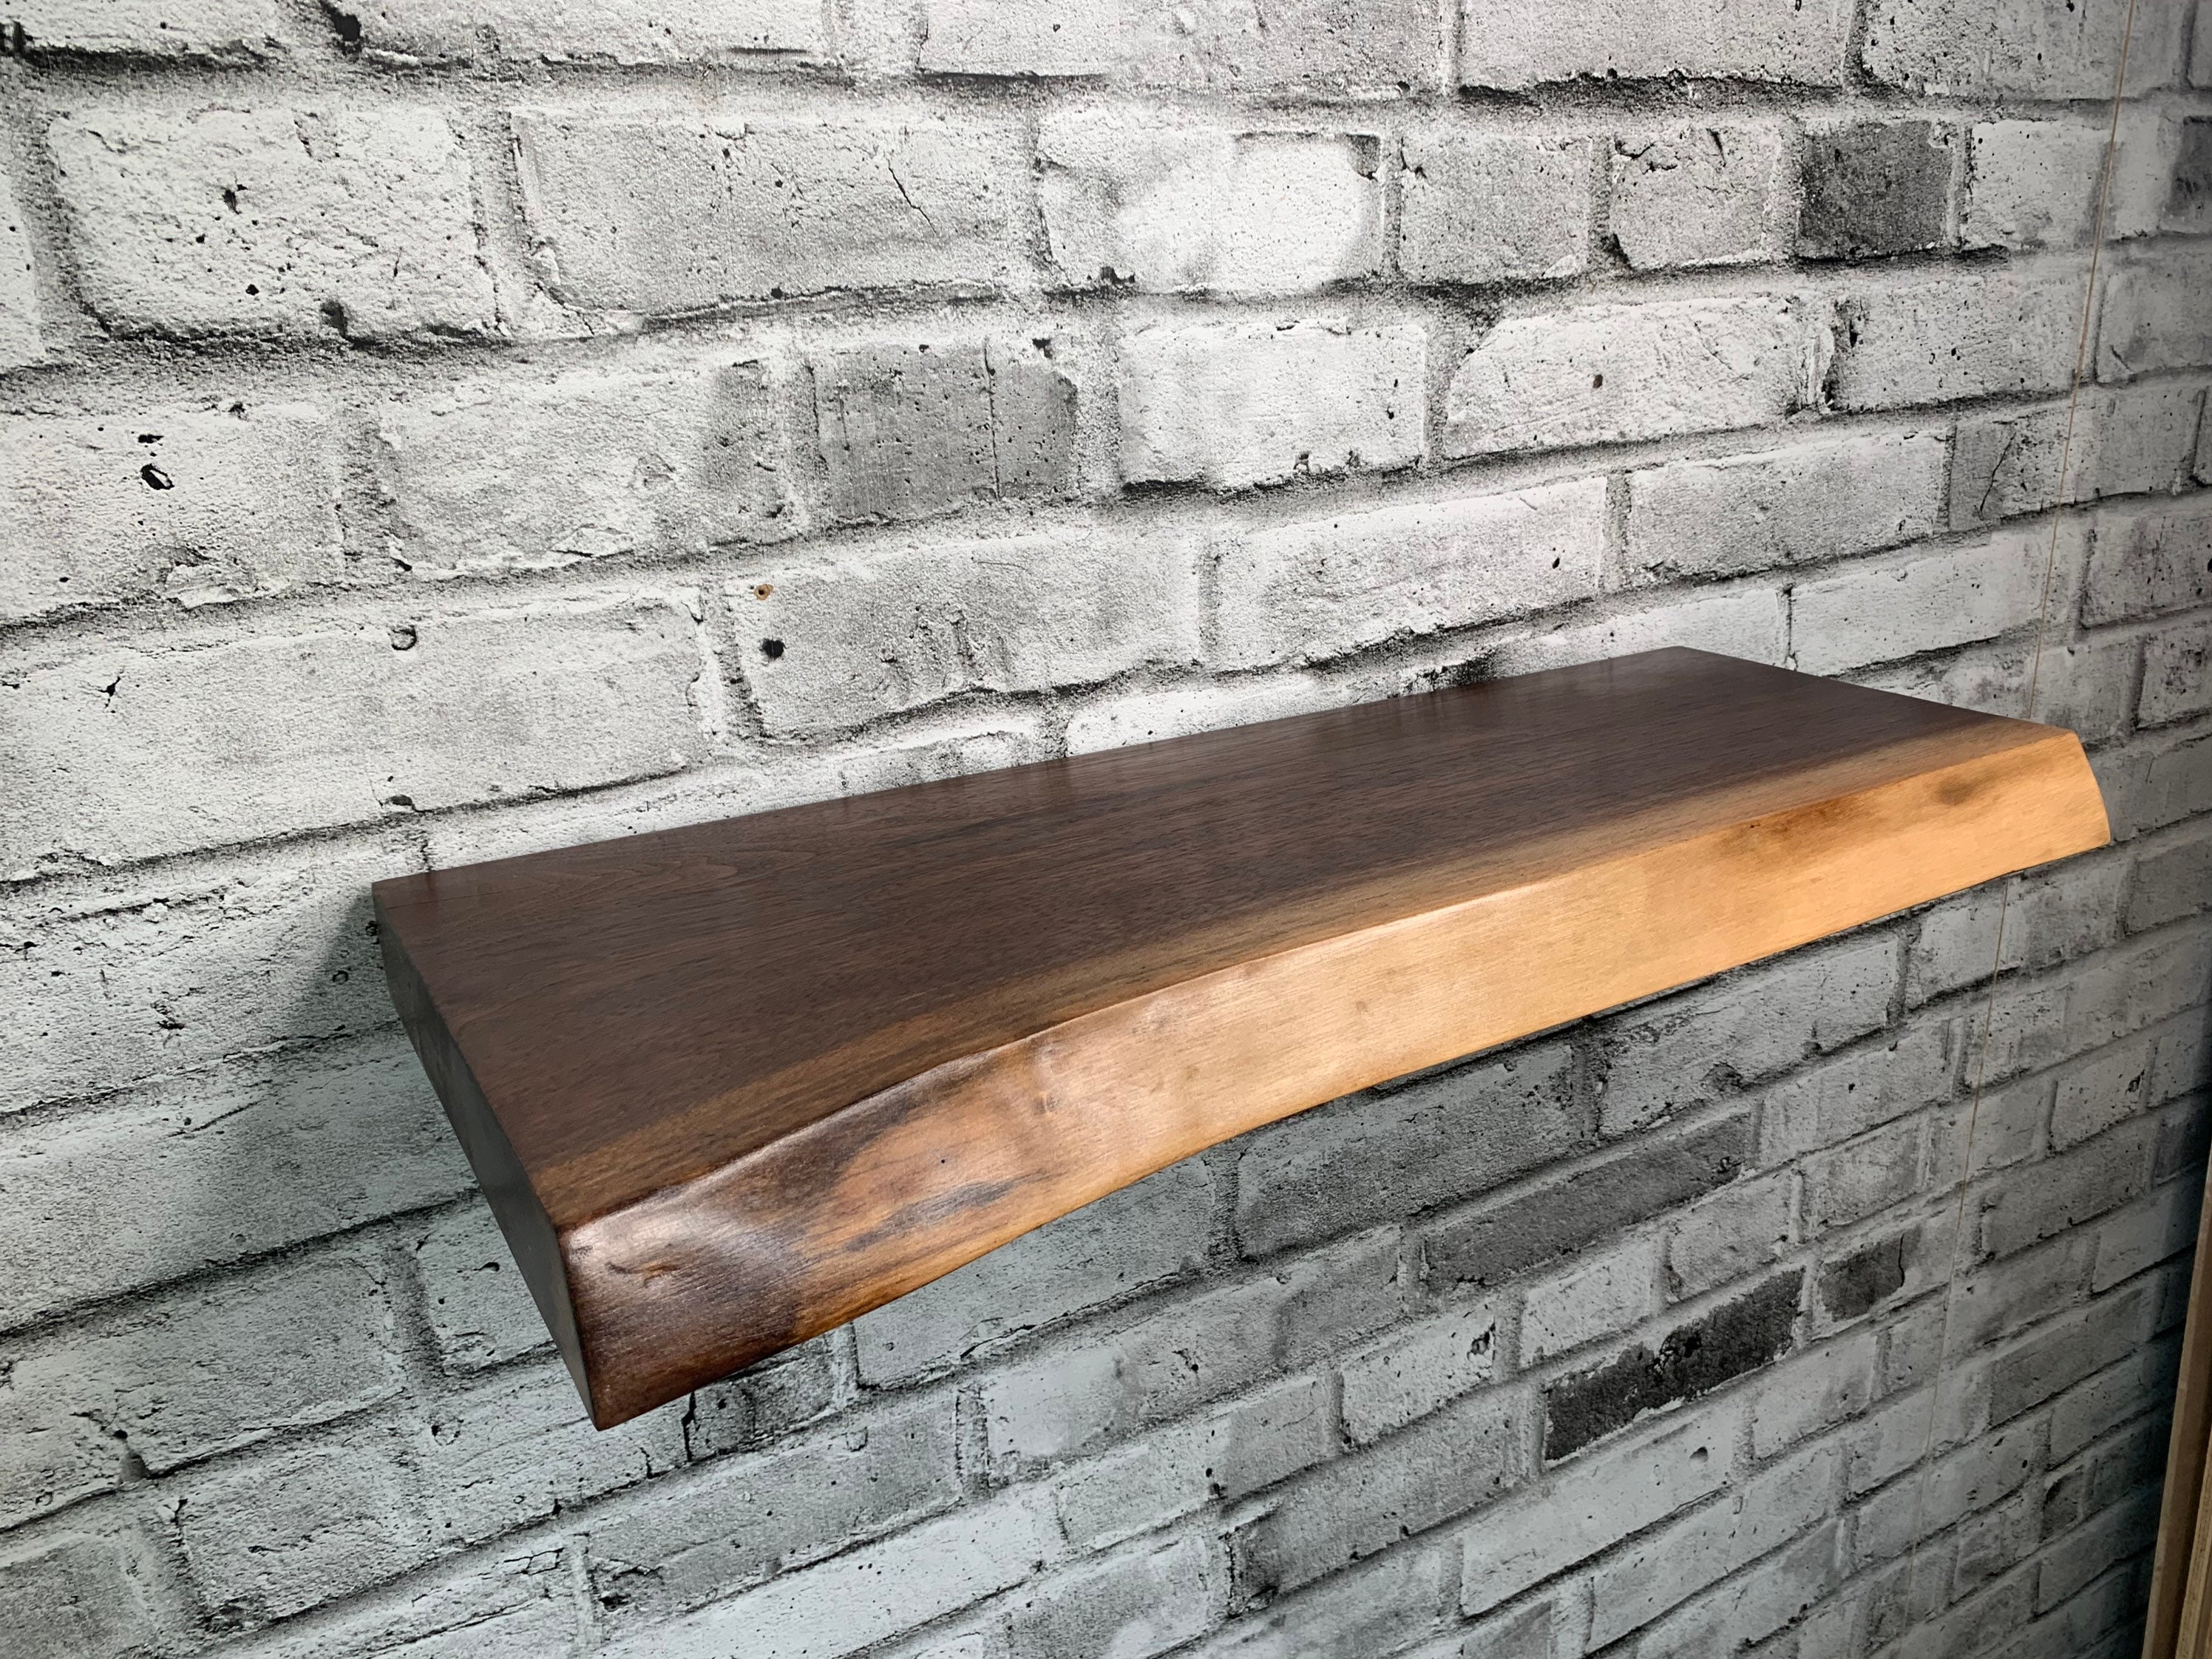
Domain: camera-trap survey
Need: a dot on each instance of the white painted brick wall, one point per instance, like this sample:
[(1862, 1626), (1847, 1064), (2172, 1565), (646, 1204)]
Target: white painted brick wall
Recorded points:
[(432, 432)]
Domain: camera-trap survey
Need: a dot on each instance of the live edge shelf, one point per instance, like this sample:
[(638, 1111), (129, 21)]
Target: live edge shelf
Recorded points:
[(730, 1086)]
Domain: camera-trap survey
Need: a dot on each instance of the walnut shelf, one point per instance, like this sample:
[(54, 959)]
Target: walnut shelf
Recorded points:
[(730, 1086)]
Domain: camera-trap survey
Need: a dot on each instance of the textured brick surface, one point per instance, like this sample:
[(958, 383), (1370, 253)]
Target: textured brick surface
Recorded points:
[(1320, 589), (1604, 373), (681, 216), (1514, 46), (1172, 208), (1874, 188), (630, 31), (1701, 196), (188, 504), (273, 221), (1233, 404), (433, 432), (1493, 208)]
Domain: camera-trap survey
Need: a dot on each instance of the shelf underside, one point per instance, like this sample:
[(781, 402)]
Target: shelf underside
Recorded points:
[(727, 1086)]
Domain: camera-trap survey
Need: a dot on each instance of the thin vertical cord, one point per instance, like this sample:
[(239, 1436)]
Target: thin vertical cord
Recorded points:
[(2004, 895)]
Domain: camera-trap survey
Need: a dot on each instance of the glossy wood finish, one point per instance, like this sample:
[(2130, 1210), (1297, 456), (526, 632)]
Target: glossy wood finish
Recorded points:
[(730, 1086)]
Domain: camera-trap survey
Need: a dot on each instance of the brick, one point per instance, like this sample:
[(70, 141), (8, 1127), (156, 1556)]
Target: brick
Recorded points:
[(1674, 1055), (675, 216), (2188, 207), (619, 463), (2149, 563), (1661, 1570), (1992, 1544), (412, 31), (1131, 202), (1512, 44), (1738, 1231), (21, 337), (1141, 1601), (2096, 1002), (2007, 1130), (1218, 1457), (2093, 1408), (1190, 1350), (1493, 207), (1117, 721), (763, 1402), (261, 737), (1590, 1507), (1747, 622), (1314, 590), (1146, 1234), (2185, 1057), (1863, 1176), (1378, 1156), (1416, 1370), (240, 32), (2176, 684), (1827, 1104), (518, 1447), (2153, 316), (1978, 1475), (1815, 1391), (1798, 504), (2147, 788), (2154, 1229), (2200, 52), (848, 640), (1875, 187), (79, 1596), (1924, 602), (2048, 919), (2032, 183), (1885, 1445), (2106, 1089), (1600, 1296), (689, 1540), (2171, 883), (1754, 1605), (907, 431), (272, 222), (265, 1540), (1235, 404), (865, 1596), (2086, 683), (1377, 1606), (1701, 196), (2064, 1191), (1696, 1357), (1961, 337), (1444, 1465), (2070, 1565), (1492, 1244), (254, 1157), (2062, 1353), (1360, 48), (480, 1313), (2038, 48), (193, 505), (2120, 443), (110, 981), (1612, 374), (204, 1372)]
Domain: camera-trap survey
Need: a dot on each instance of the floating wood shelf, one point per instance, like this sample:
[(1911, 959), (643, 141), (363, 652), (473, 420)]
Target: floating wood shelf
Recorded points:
[(730, 1086)]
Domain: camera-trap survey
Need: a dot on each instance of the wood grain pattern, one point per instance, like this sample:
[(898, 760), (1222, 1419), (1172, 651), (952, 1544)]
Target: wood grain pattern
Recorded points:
[(732, 1085)]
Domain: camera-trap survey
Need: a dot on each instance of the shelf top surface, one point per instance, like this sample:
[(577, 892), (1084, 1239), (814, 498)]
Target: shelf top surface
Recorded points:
[(642, 1011)]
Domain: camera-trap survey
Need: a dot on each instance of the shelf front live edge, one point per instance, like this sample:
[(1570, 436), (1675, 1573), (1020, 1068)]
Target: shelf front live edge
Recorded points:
[(730, 1086)]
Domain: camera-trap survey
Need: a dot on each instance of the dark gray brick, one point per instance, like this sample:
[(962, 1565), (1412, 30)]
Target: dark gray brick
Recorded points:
[(1874, 188), (1491, 1245), (2189, 207), (1854, 1283), (1736, 1337)]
